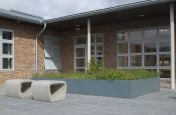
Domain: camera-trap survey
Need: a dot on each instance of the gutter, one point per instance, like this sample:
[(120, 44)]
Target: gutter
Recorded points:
[(36, 47), (108, 10)]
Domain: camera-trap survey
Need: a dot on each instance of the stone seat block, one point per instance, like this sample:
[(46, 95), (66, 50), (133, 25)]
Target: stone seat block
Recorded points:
[(19, 88), (46, 90)]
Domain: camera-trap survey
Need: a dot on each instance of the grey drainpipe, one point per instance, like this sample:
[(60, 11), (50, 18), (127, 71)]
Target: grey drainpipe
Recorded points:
[(36, 47)]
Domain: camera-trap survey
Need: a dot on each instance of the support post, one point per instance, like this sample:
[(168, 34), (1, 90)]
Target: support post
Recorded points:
[(88, 42), (172, 28)]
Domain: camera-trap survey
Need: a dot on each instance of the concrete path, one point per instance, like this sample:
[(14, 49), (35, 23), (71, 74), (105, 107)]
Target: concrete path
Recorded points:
[(159, 103)]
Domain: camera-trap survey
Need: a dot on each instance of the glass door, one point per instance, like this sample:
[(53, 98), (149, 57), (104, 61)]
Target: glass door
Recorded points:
[(80, 58)]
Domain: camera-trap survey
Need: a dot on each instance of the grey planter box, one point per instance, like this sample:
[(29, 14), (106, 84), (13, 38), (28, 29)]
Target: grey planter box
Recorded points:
[(111, 88)]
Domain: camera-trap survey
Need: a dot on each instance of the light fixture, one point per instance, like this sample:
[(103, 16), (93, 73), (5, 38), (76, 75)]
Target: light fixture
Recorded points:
[(163, 30), (141, 15), (77, 27)]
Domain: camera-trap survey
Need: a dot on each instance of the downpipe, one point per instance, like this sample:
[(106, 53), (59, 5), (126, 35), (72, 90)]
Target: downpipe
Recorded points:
[(36, 47)]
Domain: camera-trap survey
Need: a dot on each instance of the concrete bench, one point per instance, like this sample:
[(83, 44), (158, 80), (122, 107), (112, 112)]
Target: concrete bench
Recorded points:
[(18, 88), (45, 90)]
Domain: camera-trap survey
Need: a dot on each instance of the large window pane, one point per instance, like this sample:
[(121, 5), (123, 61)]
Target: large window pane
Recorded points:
[(164, 44), (122, 48), (56, 53), (122, 61), (7, 48), (164, 60), (136, 61), (7, 63), (150, 60), (164, 32), (165, 73), (150, 37), (48, 52), (52, 54), (80, 62), (80, 52), (7, 35), (136, 42)]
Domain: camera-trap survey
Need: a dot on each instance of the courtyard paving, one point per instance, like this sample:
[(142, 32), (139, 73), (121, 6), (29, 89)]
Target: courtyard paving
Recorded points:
[(158, 103)]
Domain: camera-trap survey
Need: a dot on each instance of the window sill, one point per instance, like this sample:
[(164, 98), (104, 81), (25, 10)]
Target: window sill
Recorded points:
[(12, 70)]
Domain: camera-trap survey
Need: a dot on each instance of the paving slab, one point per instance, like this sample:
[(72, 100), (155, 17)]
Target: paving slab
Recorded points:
[(158, 103)]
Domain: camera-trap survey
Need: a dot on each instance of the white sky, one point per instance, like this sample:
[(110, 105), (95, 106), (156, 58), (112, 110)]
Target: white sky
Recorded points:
[(58, 8)]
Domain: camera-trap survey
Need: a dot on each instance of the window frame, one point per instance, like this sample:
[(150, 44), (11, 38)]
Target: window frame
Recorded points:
[(51, 58), (158, 67), (94, 44), (7, 55)]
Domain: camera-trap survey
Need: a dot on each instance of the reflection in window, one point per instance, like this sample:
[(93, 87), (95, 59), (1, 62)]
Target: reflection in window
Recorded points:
[(136, 61), (7, 48), (165, 73), (123, 36), (122, 61), (122, 48), (7, 63), (7, 35), (164, 60), (145, 49), (164, 32), (80, 52), (80, 62), (150, 60), (136, 42), (150, 37), (164, 45)]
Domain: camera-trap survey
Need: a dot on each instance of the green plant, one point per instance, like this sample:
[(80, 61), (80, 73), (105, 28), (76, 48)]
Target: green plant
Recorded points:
[(94, 66), (106, 74)]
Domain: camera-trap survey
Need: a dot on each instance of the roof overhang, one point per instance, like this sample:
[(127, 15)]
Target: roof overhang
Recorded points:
[(134, 11), (21, 16)]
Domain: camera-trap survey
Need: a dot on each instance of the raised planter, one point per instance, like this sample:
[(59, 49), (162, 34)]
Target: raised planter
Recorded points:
[(110, 88)]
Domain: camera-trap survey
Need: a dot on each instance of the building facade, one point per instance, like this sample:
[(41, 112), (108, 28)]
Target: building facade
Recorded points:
[(133, 36)]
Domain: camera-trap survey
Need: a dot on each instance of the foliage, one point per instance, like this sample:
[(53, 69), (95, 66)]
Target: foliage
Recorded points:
[(105, 74), (94, 66)]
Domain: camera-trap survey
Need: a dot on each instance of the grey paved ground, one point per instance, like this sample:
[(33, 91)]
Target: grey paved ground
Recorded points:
[(159, 103)]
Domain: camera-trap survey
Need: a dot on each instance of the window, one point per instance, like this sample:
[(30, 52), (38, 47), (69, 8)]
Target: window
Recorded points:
[(97, 47), (6, 50), (145, 49), (52, 53), (80, 49), (136, 41)]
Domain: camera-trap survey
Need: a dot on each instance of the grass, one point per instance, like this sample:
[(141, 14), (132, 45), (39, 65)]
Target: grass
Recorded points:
[(105, 74)]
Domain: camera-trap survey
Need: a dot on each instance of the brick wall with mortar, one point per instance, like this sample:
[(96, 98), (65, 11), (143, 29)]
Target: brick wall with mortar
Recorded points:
[(24, 49), (24, 38)]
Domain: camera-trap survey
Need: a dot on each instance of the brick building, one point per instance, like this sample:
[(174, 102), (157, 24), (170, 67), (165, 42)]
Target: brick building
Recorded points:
[(133, 36)]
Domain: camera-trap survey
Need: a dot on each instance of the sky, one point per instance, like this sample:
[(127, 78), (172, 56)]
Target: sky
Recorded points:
[(58, 8)]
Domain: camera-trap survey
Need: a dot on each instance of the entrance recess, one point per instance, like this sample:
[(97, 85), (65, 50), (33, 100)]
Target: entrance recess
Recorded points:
[(80, 51)]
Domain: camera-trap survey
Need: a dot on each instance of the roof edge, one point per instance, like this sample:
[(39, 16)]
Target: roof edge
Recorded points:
[(107, 10)]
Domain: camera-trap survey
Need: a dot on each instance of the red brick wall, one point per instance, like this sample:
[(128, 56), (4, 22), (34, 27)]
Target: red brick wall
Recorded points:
[(24, 49), (24, 36)]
